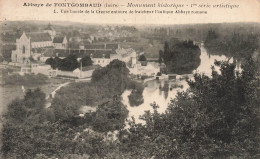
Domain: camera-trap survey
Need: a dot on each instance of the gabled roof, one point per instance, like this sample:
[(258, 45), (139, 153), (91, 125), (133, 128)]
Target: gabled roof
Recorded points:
[(39, 37), (58, 39)]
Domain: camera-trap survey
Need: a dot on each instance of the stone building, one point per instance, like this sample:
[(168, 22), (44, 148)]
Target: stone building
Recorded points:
[(26, 43), (60, 42)]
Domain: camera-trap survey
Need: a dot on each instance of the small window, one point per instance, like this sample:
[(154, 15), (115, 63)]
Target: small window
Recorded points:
[(23, 49)]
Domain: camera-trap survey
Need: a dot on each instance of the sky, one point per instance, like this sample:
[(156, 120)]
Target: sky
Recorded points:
[(247, 11)]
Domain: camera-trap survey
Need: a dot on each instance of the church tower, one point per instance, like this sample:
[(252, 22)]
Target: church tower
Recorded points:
[(49, 29)]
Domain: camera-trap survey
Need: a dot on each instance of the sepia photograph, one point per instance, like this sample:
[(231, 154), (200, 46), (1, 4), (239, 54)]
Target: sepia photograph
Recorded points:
[(131, 79)]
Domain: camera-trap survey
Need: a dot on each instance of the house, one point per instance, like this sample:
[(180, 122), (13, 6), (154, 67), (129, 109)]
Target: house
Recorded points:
[(27, 69), (102, 57), (85, 42), (26, 43), (127, 55), (172, 76), (43, 69), (151, 69), (32, 45), (60, 42)]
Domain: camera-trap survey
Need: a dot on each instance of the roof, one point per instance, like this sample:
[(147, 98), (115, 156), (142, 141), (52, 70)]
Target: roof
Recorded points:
[(85, 42), (58, 39), (152, 59), (102, 53), (124, 52), (112, 46), (39, 37), (92, 67), (82, 53), (102, 46), (95, 46)]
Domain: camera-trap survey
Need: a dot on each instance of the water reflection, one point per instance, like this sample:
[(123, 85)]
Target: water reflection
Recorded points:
[(162, 91), (207, 60), (155, 91)]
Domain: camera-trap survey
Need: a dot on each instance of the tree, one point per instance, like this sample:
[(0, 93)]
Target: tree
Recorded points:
[(34, 99), (1, 58), (51, 61), (16, 111), (136, 96), (142, 58), (181, 57), (69, 63), (24, 136), (101, 89), (160, 60), (54, 62), (110, 116), (86, 61), (166, 53)]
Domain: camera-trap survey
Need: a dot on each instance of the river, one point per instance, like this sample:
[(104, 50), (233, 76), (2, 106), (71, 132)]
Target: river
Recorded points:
[(157, 91)]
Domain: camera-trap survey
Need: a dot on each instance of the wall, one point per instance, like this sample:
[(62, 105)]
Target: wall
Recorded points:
[(100, 61), (41, 44)]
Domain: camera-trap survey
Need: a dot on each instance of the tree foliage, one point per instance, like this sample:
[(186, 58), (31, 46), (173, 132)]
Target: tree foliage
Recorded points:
[(110, 116), (112, 79), (106, 83), (136, 97), (233, 44), (181, 57), (29, 132), (142, 58), (86, 61), (69, 63)]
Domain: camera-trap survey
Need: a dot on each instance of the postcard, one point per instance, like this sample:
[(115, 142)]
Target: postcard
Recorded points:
[(129, 79)]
